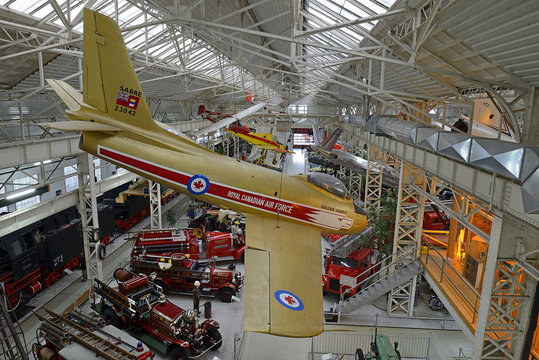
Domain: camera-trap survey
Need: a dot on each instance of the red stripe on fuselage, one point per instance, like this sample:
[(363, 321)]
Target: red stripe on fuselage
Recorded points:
[(261, 139), (254, 200)]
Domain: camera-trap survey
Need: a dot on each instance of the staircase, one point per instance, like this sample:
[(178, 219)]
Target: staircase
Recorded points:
[(392, 272), (383, 285)]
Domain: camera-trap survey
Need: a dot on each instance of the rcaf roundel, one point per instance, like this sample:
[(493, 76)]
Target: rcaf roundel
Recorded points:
[(289, 300), (198, 184)]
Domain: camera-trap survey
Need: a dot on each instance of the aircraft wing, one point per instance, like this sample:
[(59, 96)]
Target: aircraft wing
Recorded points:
[(229, 120), (283, 278)]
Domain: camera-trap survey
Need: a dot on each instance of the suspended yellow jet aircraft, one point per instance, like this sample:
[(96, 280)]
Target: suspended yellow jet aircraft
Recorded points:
[(265, 141), (285, 214)]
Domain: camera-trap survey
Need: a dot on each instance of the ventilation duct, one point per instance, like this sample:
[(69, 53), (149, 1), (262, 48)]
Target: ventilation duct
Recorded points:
[(510, 160)]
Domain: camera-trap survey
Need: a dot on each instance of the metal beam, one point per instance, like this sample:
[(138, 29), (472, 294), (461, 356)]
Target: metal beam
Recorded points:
[(303, 34), (503, 195), (19, 219)]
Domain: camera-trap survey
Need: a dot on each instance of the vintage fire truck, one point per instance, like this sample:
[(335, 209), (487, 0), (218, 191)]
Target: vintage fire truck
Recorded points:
[(139, 306), (178, 273), (81, 336), (340, 272), (199, 244)]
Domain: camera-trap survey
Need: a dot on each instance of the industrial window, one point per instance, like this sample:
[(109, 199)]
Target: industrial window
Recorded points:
[(72, 182), (3, 209), (97, 163), (22, 183)]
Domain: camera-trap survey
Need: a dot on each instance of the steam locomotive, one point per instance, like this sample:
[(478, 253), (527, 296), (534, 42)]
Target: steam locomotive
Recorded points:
[(34, 257)]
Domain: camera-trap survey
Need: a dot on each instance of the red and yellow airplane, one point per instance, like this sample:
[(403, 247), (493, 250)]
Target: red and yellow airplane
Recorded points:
[(285, 214), (264, 141)]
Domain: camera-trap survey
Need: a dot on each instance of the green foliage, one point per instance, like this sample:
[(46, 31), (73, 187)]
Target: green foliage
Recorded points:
[(171, 218), (383, 223)]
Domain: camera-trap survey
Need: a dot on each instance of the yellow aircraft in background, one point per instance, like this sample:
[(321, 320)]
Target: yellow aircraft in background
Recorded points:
[(265, 141), (285, 214)]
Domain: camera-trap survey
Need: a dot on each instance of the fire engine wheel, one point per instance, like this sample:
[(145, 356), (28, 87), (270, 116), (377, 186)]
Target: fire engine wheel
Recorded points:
[(178, 353), (359, 355), (216, 336), (163, 286), (112, 319), (225, 294)]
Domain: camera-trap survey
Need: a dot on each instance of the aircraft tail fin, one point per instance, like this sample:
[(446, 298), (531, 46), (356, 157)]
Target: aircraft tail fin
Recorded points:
[(331, 140), (201, 109), (110, 83), (250, 97), (317, 136)]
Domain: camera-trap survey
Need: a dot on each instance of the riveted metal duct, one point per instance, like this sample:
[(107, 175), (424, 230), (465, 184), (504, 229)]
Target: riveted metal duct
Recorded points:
[(507, 159)]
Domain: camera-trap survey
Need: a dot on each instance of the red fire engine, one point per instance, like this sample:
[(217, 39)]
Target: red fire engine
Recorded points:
[(82, 336), (339, 271), (178, 273), (139, 305), (200, 245)]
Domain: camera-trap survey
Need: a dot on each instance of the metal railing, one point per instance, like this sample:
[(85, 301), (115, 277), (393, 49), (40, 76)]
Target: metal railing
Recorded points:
[(457, 281), (401, 258)]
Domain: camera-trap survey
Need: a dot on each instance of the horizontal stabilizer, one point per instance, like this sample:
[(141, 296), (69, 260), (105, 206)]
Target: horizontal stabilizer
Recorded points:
[(81, 126), (71, 97)]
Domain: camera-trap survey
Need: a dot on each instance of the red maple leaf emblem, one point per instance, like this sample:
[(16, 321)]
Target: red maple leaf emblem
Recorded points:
[(290, 300), (199, 184)]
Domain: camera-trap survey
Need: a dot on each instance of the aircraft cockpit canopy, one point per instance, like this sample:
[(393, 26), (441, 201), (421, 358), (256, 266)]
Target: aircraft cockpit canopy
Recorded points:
[(328, 183)]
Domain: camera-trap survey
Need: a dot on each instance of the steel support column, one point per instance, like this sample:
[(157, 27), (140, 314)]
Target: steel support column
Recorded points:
[(155, 205), (408, 224), (11, 346), (89, 218), (355, 180), (504, 308), (341, 173), (236, 147), (373, 180)]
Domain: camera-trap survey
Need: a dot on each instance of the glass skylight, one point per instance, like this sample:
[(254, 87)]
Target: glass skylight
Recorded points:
[(326, 13), (195, 55)]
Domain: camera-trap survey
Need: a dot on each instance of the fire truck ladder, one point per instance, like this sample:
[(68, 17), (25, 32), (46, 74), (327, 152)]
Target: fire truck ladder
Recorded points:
[(115, 297), (11, 346), (86, 338), (349, 243), (441, 215)]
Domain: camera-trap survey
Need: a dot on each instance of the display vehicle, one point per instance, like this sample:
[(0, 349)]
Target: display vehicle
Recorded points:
[(199, 244), (178, 273), (341, 272), (138, 305), (81, 336)]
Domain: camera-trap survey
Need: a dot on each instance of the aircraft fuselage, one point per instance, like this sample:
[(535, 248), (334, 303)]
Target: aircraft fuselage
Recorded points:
[(228, 183)]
